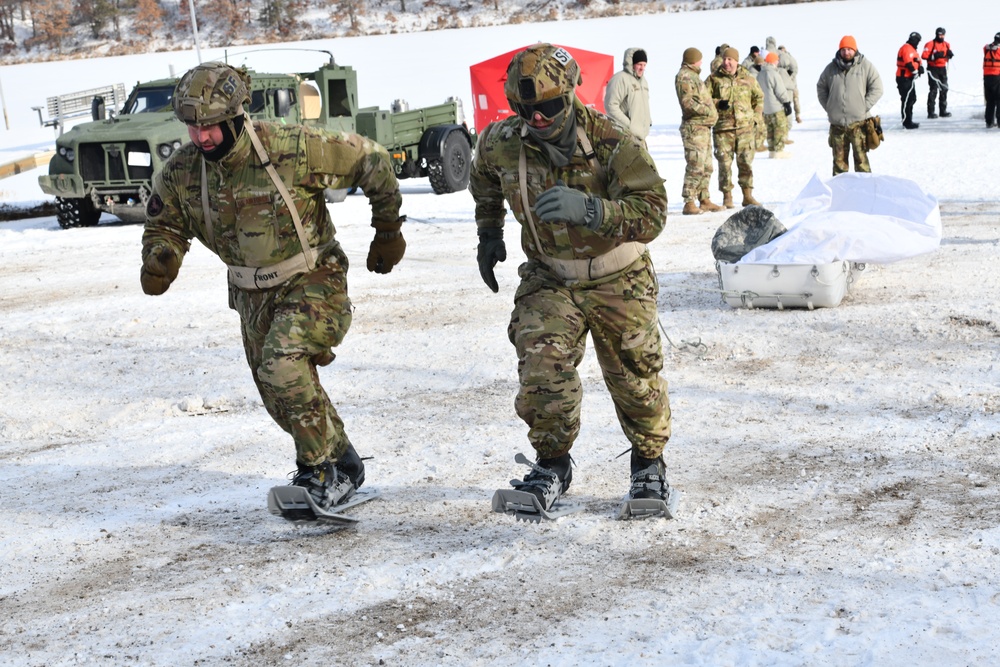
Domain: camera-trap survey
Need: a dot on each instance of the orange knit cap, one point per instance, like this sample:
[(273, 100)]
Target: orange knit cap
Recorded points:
[(848, 42), (771, 57)]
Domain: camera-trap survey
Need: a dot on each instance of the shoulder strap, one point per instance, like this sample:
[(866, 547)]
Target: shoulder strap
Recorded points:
[(309, 252)]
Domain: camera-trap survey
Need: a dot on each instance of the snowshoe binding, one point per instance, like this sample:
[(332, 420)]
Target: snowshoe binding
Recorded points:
[(320, 493), (532, 499), (650, 495)]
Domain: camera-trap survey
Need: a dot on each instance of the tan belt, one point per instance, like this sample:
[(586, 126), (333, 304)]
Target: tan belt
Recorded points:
[(595, 268), (266, 277)]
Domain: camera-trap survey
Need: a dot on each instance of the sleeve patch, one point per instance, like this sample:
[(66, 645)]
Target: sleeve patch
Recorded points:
[(154, 206)]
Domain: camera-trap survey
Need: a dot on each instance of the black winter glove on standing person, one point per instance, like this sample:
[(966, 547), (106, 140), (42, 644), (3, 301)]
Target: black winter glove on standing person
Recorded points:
[(723, 105), (490, 251), (787, 106)]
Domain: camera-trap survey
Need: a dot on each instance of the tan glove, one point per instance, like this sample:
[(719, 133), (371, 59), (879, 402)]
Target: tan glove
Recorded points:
[(386, 250), (159, 269)]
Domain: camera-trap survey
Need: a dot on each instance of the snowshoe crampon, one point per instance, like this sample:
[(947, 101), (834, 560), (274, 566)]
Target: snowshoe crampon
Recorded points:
[(643, 508), (548, 482), (295, 504)]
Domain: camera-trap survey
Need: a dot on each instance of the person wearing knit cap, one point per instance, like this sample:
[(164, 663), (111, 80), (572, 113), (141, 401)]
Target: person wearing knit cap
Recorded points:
[(748, 62), (791, 65), (698, 116), (991, 81), (908, 68), (717, 60), (777, 105), (938, 54), (787, 68), (740, 103), (847, 89), (626, 98)]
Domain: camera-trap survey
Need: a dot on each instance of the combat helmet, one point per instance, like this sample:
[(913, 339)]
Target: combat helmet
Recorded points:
[(210, 94), (543, 79)]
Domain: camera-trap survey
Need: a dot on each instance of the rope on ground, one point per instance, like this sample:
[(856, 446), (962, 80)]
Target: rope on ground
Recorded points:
[(694, 346)]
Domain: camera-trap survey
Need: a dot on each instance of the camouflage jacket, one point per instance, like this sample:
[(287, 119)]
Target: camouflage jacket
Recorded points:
[(697, 105), (632, 193), (251, 225), (746, 99)]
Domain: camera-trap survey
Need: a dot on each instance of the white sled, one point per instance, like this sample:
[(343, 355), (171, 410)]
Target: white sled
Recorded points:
[(786, 285)]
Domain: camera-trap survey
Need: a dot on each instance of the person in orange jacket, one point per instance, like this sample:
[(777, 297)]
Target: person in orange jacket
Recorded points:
[(908, 68), (991, 81), (938, 54)]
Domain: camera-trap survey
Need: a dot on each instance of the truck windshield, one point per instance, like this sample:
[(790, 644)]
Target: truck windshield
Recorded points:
[(146, 100)]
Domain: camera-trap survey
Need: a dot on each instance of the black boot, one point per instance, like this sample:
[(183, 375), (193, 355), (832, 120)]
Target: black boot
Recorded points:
[(548, 479), (648, 478), (327, 485)]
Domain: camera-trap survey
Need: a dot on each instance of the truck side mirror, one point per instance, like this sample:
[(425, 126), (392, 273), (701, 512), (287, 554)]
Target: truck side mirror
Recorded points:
[(97, 109)]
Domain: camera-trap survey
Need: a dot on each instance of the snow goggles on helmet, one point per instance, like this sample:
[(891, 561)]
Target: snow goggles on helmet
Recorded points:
[(548, 109)]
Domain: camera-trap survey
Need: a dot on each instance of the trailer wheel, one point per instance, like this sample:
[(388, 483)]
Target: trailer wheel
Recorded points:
[(450, 173), (76, 212)]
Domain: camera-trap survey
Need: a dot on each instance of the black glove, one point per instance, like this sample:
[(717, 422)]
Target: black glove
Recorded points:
[(950, 54), (934, 56), (723, 105), (920, 70), (565, 204), (491, 250), (159, 268), (787, 106)]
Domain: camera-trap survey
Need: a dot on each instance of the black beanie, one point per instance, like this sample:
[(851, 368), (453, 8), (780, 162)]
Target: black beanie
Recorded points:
[(914, 39), (754, 49), (638, 57)]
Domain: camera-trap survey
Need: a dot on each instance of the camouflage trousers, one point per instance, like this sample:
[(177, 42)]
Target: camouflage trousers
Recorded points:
[(759, 134), (697, 141), (777, 130), (549, 326), (288, 331), (842, 140), (795, 102), (741, 144)]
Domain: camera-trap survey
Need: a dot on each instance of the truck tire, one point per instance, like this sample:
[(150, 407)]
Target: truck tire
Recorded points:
[(76, 212), (450, 172)]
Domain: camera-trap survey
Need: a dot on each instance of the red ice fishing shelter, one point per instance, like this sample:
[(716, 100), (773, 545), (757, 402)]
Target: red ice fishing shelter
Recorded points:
[(488, 77)]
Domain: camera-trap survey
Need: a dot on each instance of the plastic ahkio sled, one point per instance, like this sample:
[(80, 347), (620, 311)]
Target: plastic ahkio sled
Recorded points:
[(786, 285)]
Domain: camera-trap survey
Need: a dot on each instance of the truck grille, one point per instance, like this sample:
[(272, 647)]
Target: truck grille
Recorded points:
[(108, 162)]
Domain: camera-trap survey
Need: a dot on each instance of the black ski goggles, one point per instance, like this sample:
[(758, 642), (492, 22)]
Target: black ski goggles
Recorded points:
[(548, 109)]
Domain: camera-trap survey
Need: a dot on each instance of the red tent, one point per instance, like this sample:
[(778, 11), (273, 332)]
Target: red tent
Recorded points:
[(488, 77)]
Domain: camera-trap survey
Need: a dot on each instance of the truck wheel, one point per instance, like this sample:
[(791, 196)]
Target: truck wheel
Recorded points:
[(76, 212), (450, 173)]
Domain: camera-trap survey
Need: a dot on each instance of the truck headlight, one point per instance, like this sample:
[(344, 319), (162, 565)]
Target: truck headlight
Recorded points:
[(67, 153), (166, 150)]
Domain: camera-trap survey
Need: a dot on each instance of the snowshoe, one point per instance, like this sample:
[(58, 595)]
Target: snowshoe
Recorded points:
[(532, 499), (650, 495)]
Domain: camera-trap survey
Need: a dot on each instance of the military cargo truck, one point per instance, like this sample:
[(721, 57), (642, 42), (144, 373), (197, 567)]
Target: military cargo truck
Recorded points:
[(107, 165)]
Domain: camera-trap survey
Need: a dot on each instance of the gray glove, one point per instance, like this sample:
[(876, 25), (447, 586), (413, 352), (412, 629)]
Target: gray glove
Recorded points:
[(564, 204)]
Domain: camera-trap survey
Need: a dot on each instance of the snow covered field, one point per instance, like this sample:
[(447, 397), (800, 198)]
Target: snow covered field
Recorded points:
[(838, 466)]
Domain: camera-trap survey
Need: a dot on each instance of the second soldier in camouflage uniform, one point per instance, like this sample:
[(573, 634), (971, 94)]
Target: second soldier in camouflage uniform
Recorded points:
[(588, 198), (740, 102), (271, 226), (698, 116)]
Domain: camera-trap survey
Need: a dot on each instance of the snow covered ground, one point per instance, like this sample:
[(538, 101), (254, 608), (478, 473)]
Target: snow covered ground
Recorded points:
[(838, 466)]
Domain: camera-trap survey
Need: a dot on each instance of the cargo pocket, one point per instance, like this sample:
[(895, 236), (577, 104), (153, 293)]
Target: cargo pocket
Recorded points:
[(640, 350)]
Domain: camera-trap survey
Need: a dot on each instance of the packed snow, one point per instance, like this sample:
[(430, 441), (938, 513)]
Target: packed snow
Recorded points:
[(838, 466)]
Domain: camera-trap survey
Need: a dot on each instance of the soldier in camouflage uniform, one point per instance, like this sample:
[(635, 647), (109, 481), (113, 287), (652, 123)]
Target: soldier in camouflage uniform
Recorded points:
[(588, 198), (253, 193), (740, 102), (698, 115), (848, 88)]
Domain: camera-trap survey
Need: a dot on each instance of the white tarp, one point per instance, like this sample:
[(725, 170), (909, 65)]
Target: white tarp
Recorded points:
[(856, 217)]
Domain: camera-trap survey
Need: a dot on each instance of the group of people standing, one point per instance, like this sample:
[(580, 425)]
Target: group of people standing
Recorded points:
[(909, 67), (740, 108)]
